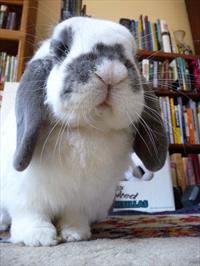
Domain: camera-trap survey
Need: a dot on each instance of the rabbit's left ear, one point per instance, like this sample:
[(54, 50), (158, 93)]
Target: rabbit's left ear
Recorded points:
[(29, 110), (150, 143)]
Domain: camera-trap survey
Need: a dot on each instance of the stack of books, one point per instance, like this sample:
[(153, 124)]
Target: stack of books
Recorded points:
[(185, 170), (8, 67), (182, 121), (151, 36), (8, 19), (177, 74)]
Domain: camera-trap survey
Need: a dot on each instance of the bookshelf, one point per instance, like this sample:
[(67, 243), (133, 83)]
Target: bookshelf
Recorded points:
[(194, 95), (19, 42)]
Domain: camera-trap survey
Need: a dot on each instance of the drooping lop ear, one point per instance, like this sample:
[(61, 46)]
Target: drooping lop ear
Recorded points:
[(29, 110), (150, 143)]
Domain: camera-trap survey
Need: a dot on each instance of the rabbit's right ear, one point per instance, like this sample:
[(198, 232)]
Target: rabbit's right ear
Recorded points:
[(30, 110)]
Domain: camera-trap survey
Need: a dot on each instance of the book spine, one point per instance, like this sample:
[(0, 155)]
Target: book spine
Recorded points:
[(181, 178), (155, 74), (196, 166), (150, 39), (190, 171), (146, 32), (181, 118), (166, 120), (166, 39), (145, 68), (159, 37), (178, 130), (192, 105), (173, 117), (198, 114), (169, 121), (190, 125), (187, 133)]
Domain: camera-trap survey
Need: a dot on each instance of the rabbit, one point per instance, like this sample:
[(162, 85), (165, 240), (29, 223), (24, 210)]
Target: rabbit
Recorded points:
[(81, 109)]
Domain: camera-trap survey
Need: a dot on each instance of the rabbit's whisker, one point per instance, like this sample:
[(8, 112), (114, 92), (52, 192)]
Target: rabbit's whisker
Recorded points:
[(47, 138)]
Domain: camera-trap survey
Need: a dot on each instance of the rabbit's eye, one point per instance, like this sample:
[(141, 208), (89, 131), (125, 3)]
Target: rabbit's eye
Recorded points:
[(60, 46), (59, 50)]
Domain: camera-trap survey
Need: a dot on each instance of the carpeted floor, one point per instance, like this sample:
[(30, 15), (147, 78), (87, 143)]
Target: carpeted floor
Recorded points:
[(107, 252), (153, 240)]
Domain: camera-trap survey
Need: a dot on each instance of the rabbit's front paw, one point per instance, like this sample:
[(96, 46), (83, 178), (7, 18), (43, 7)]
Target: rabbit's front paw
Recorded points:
[(71, 234), (36, 234)]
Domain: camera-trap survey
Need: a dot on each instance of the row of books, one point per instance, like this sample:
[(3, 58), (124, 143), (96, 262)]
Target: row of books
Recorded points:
[(181, 120), (177, 74), (151, 36), (8, 67), (8, 19), (185, 170)]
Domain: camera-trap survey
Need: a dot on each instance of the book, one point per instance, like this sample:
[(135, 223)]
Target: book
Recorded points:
[(165, 35), (193, 107), (196, 166), (3, 15), (181, 177), (191, 171), (8, 67)]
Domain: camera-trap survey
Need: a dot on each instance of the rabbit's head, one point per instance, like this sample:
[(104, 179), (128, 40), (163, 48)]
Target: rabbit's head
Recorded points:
[(86, 75)]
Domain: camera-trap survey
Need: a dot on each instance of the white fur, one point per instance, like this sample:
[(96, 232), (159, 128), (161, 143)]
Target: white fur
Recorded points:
[(75, 167)]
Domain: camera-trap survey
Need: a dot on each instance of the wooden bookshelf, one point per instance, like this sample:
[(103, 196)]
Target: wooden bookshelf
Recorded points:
[(171, 93), (20, 42), (184, 148), (162, 56), (12, 35), (194, 95)]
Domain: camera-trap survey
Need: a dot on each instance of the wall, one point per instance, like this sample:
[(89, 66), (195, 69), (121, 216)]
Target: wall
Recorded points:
[(174, 11), (48, 15)]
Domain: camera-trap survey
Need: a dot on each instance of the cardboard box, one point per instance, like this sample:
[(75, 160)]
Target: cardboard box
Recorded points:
[(154, 195)]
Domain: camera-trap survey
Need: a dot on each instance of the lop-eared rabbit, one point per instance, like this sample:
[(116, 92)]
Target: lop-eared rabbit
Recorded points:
[(81, 109)]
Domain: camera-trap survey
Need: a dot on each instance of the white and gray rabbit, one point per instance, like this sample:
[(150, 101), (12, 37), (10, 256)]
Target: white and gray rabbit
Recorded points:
[(81, 109)]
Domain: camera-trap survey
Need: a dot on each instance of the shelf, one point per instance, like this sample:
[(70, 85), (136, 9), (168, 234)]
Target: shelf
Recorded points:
[(12, 2), (11, 34), (161, 56), (184, 148), (168, 92)]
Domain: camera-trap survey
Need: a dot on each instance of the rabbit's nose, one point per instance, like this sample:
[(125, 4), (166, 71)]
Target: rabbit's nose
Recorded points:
[(112, 72)]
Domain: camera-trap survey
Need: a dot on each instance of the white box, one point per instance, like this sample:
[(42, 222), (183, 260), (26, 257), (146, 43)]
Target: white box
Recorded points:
[(154, 195)]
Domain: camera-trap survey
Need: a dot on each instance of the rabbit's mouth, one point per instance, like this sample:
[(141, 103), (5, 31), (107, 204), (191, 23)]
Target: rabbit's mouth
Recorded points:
[(107, 101)]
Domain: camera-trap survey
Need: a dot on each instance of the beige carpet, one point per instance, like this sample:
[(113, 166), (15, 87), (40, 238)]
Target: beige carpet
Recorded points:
[(105, 252)]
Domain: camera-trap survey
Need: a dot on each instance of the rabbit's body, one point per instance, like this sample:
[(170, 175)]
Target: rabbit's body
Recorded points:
[(90, 164), (84, 185), (78, 112)]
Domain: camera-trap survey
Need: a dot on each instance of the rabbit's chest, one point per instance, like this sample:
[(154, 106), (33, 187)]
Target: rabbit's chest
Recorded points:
[(86, 152), (95, 151)]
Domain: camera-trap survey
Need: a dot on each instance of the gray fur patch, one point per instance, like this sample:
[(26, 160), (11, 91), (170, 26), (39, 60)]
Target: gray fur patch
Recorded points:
[(30, 110), (84, 66), (60, 47)]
